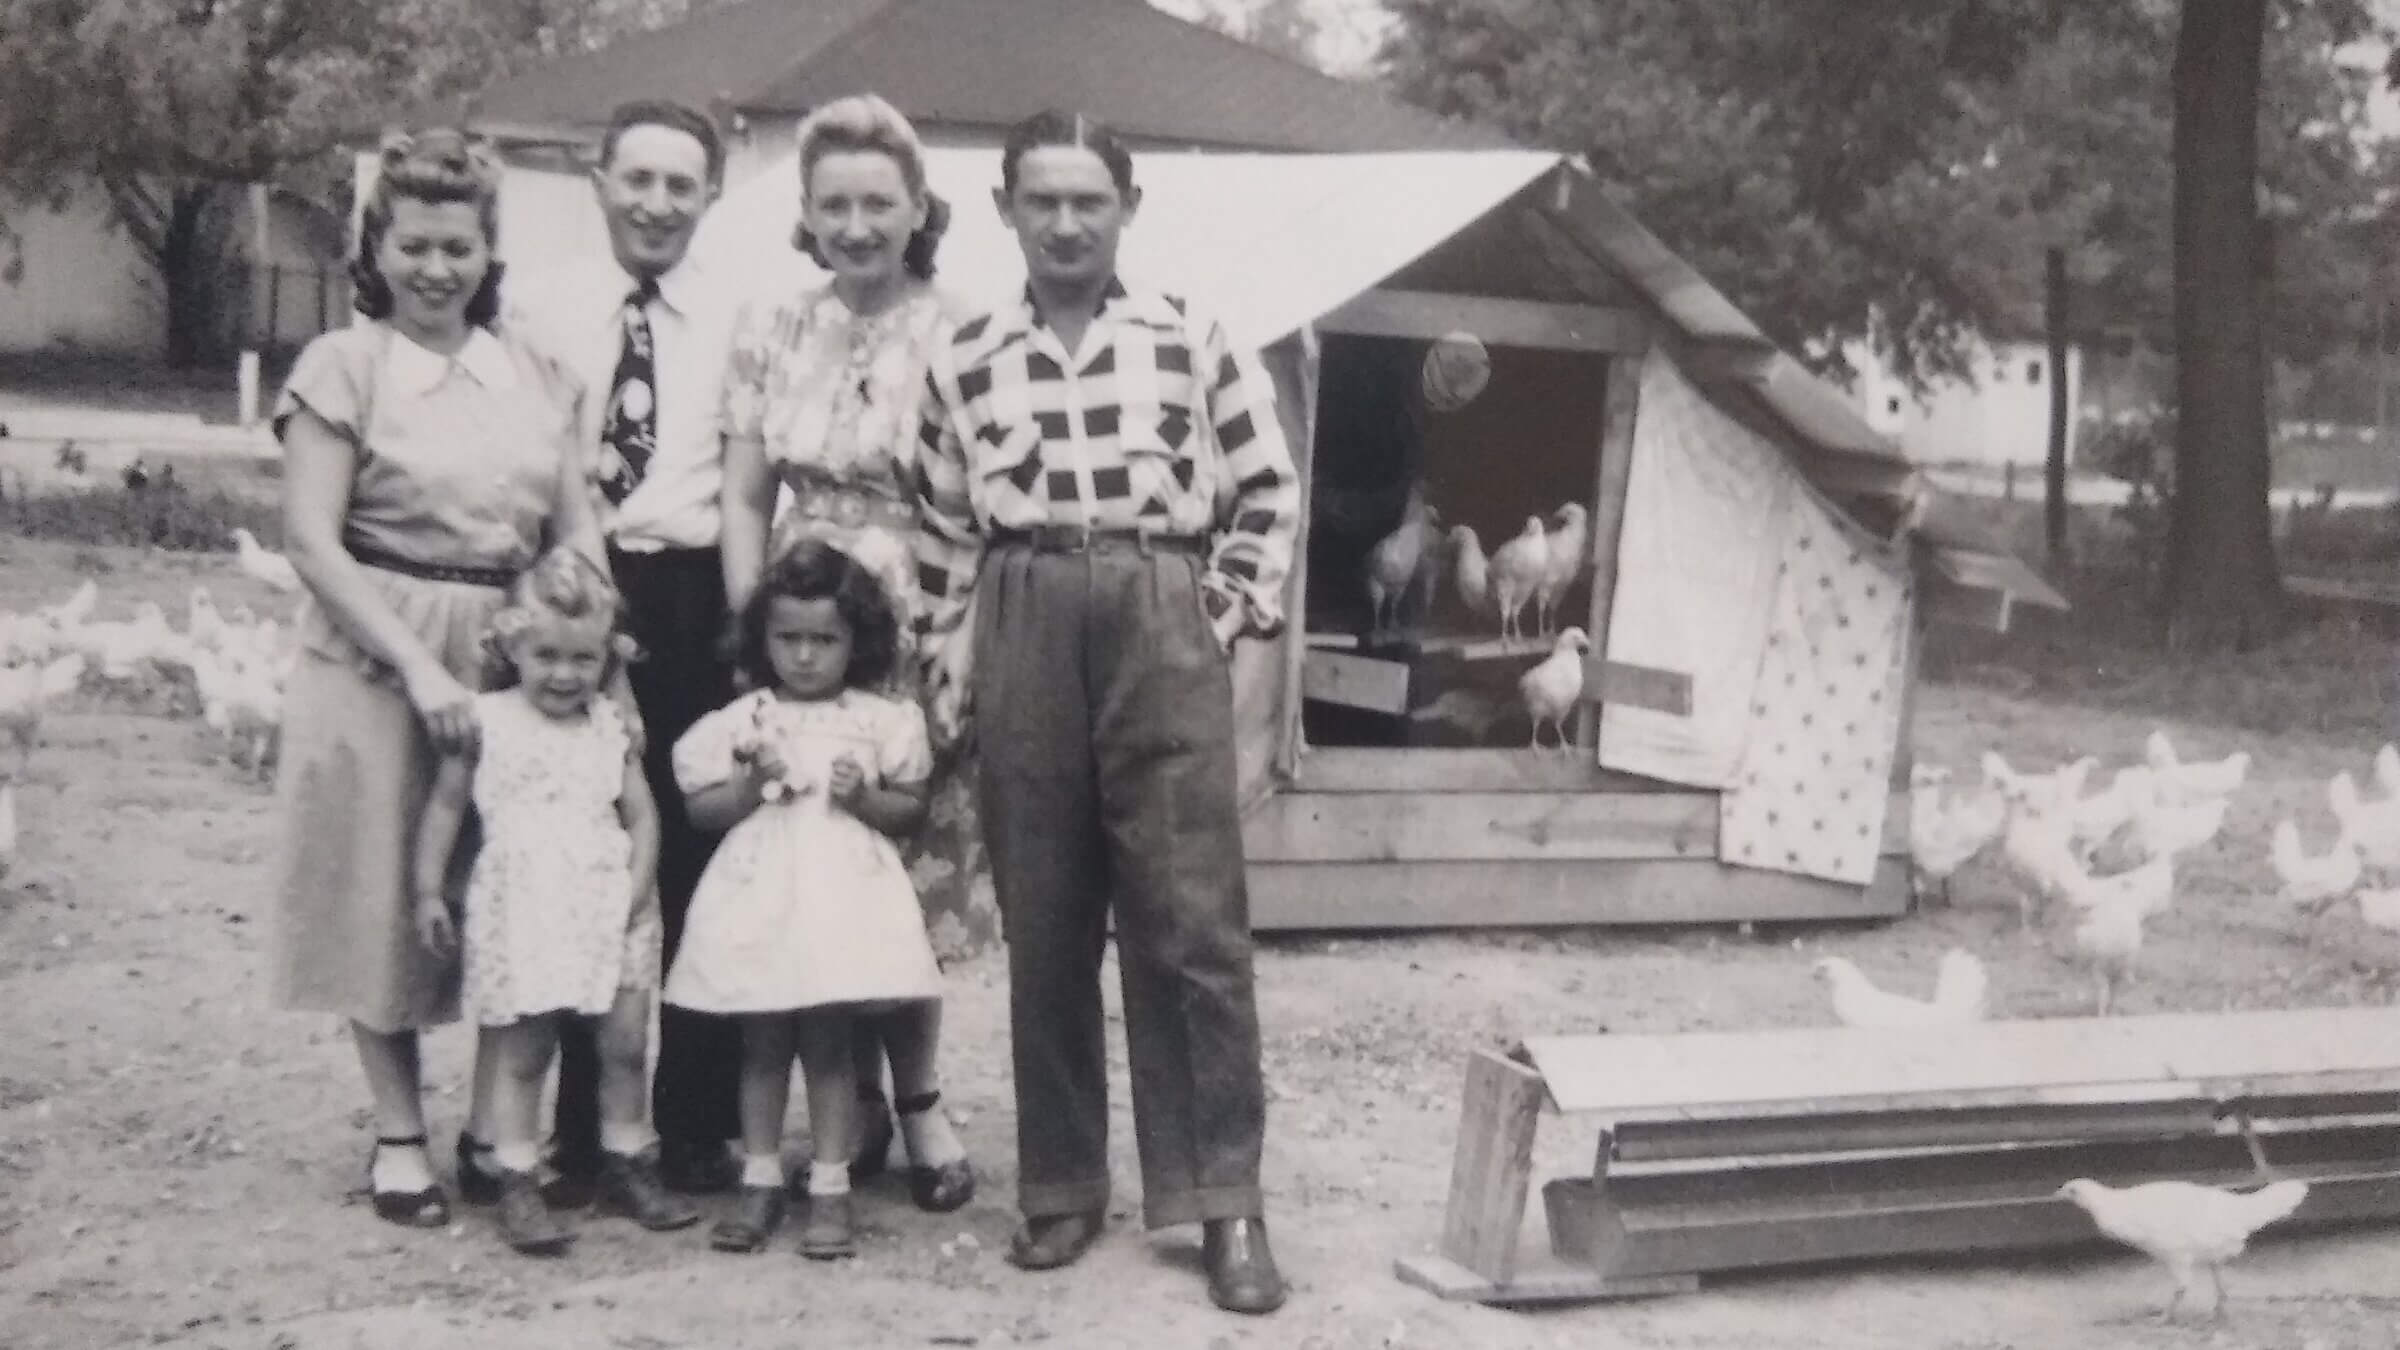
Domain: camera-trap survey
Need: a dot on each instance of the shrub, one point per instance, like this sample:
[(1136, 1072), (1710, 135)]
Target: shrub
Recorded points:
[(169, 516)]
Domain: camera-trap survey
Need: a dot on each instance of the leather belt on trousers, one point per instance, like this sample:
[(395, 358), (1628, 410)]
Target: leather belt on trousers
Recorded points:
[(1094, 539), (497, 578)]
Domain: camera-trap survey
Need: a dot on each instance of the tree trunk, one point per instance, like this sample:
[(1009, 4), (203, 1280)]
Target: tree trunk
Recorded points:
[(2221, 587), (189, 273), (2054, 466)]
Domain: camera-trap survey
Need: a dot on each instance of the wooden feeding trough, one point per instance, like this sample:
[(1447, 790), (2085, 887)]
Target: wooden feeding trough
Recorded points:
[(1723, 1152)]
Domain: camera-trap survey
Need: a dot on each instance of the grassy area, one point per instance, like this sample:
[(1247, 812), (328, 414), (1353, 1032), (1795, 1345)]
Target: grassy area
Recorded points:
[(2341, 458), (197, 518), (123, 384), (2329, 675)]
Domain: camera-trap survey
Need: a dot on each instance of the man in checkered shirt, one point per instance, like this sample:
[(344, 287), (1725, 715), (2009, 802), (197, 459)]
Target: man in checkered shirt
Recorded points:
[(1102, 475)]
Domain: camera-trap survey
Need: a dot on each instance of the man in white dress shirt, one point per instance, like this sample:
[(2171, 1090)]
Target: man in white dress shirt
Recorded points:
[(649, 330)]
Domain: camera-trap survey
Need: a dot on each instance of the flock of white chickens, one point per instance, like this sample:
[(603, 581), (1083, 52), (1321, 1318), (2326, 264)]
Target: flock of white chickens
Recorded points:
[(2051, 832), (1536, 568), (231, 662)]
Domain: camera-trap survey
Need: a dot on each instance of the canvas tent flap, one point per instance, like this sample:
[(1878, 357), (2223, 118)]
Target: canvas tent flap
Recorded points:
[(1265, 242)]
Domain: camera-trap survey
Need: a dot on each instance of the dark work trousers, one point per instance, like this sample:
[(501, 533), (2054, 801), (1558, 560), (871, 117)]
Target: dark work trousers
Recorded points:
[(675, 608), (1105, 716)]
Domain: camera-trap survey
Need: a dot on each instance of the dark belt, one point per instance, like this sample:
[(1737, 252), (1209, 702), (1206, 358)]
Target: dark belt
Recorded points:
[(497, 578), (1095, 539)]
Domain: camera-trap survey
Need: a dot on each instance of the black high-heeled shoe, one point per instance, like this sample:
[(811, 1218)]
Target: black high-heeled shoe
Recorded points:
[(476, 1184), (426, 1208), (942, 1188)]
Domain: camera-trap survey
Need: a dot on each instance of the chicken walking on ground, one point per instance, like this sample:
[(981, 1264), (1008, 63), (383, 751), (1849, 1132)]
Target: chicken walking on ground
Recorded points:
[(2373, 824), (2314, 881), (2109, 940), (2185, 1227), (2176, 782), (1553, 689), (1947, 829), (25, 696), (264, 563), (1959, 991)]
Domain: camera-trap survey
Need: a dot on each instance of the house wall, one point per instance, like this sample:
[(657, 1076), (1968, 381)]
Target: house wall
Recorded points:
[(83, 286), (1999, 415), (86, 288)]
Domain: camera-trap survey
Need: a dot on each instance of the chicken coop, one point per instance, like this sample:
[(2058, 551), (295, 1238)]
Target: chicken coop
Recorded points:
[(1557, 489)]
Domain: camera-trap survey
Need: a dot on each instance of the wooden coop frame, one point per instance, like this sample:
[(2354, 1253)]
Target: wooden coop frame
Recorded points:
[(1398, 838)]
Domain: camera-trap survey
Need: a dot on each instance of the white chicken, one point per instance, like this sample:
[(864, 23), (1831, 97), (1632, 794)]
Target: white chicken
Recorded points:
[(2177, 783), (2038, 842), (2109, 940), (25, 695), (1470, 570), (2185, 1227), (76, 608), (2147, 889), (1553, 688), (1569, 544), (1959, 990), (2380, 909), (2041, 792), (2163, 827), (1395, 564), (8, 828), (1946, 829), (1517, 569), (264, 563), (2374, 826), (2103, 813), (2318, 881), (203, 624)]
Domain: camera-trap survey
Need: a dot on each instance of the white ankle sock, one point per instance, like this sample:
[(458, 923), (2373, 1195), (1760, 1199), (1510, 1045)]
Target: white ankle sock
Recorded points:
[(762, 1169), (626, 1140), (829, 1178), (517, 1157)]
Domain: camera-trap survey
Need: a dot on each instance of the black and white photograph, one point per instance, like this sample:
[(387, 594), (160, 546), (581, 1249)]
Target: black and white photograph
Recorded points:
[(1300, 674)]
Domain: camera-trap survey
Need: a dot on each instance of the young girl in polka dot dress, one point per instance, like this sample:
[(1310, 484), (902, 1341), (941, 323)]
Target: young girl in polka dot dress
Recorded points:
[(562, 905)]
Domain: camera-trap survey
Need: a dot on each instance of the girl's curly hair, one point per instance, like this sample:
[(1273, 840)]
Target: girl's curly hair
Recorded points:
[(563, 584), (815, 570)]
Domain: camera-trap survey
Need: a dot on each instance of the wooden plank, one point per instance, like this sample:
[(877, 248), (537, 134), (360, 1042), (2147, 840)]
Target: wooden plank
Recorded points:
[(1490, 1165), (1549, 325), (1546, 1279), (1964, 607), (1622, 682), (1619, 411), (1469, 826), (1345, 769), (1329, 897), (2064, 1059), (1351, 681), (1349, 769), (1851, 1131)]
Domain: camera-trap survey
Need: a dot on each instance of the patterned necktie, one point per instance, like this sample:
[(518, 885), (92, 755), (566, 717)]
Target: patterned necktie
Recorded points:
[(629, 434)]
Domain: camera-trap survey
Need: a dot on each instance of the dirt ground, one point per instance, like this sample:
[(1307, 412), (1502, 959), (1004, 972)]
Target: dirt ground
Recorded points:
[(179, 1166)]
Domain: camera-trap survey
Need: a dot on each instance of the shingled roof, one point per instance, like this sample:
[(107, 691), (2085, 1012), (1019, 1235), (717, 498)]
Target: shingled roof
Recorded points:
[(980, 64)]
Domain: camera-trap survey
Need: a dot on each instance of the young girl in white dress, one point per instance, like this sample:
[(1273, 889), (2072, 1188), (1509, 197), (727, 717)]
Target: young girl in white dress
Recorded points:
[(805, 917), (562, 903)]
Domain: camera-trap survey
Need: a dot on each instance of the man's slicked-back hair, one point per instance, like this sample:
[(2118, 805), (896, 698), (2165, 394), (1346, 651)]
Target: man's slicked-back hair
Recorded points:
[(659, 112), (1054, 127)]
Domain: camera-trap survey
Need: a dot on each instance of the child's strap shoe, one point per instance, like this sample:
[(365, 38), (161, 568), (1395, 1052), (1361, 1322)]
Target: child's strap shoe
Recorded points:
[(630, 1186), (828, 1234), (757, 1213), (526, 1222)]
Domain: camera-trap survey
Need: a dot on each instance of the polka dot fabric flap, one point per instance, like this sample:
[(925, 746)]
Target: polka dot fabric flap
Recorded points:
[(1815, 775)]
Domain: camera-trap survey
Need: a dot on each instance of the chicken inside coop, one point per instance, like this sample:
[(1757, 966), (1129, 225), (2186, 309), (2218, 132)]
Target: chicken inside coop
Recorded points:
[(1449, 549)]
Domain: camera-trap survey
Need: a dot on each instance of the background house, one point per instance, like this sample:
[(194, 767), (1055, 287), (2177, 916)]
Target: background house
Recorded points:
[(1996, 414), (82, 287)]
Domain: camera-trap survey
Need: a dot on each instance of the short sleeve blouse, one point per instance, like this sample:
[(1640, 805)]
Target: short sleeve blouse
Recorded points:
[(832, 394), (459, 459)]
